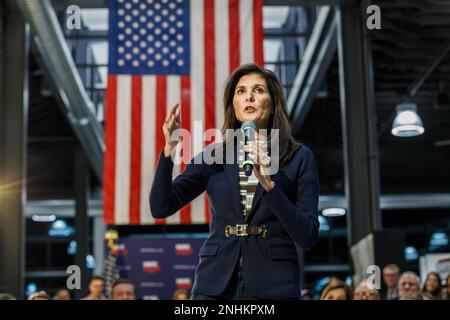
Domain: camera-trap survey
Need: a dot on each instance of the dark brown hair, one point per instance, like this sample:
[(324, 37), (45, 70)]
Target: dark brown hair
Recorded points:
[(278, 119), (437, 292)]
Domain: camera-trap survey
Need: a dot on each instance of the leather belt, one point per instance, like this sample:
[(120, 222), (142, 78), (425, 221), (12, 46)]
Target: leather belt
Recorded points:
[(244, 230)]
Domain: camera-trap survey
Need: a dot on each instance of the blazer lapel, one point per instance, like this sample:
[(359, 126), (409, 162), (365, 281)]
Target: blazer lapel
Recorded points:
[(259, 193), (257, 197)]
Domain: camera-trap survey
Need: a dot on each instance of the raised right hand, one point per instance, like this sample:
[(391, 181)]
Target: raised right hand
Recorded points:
[(171, 123)]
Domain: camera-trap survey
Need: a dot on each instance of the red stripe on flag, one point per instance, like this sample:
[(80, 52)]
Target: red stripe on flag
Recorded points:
[(185, 213), (161, 96), (136, 145), (210, 63), (258, 33), (234, 47), (110, 152), (210, 76)]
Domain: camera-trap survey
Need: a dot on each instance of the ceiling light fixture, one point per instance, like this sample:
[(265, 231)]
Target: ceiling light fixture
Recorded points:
[(333, 212), (407, 122), (43, 218)]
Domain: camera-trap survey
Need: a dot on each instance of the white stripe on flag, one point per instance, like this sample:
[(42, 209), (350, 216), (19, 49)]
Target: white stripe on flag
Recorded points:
[(173, 95), (197, 93), (123, 145), (222, 56), (246, 31), (148, 145)]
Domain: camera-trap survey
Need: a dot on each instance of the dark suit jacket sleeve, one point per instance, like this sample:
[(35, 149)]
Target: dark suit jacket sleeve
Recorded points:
[(167, 196), (299, 219)]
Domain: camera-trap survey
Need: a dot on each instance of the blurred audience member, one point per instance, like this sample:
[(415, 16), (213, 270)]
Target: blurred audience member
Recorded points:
[(7, 296), (181, 294), (391, 273), (411, 296), (363, 292), (305, 294), (62, 294), (41, 295), (122, 289), (447, 288), (433, 285), (336, 290), (96, 288), (409, 282), (427, 296)]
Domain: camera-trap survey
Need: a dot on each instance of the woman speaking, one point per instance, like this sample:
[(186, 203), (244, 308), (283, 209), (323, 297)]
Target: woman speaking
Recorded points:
[(257, 219)]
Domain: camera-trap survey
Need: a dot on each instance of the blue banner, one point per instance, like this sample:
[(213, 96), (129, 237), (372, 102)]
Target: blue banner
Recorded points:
[(159, 265)]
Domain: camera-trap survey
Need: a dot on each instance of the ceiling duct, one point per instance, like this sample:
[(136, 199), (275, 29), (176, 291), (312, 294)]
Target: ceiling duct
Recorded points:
[(61, 69)]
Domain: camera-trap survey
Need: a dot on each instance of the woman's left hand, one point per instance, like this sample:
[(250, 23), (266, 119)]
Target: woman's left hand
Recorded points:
[(261, 164)]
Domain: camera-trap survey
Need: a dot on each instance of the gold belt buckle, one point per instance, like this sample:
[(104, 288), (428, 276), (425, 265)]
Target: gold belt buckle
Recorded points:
[(264, 231), (227, 231), (241, 230)]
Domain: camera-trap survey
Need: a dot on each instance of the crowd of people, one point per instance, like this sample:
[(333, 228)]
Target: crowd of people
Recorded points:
[(397, 286), (121, 289)]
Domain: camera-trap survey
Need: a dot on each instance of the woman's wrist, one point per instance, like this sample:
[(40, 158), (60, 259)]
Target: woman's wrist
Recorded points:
[(270, 186), (168, 149)]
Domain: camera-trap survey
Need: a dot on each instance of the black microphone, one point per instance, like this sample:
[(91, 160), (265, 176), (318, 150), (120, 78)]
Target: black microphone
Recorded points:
[(249, 128)]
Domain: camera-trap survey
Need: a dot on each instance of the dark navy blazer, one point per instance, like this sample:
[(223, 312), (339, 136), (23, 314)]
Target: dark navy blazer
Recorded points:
[(289, 212)]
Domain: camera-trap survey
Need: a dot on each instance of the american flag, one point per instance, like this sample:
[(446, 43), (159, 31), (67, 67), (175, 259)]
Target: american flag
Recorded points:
[(161, 52)]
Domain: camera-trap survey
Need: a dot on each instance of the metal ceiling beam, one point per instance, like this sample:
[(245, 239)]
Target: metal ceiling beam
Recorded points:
[(103, 34), (358, 116), (61, 69), (91, 4), (14, 66), (419, 19), (66, 208), (319, 53), (327, 268), (302, 3), (82, 225), (434, 62), (432, 7), (395, 201)]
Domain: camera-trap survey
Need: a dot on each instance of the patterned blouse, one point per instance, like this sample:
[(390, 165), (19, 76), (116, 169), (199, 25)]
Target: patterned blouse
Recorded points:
[(247, 185)]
